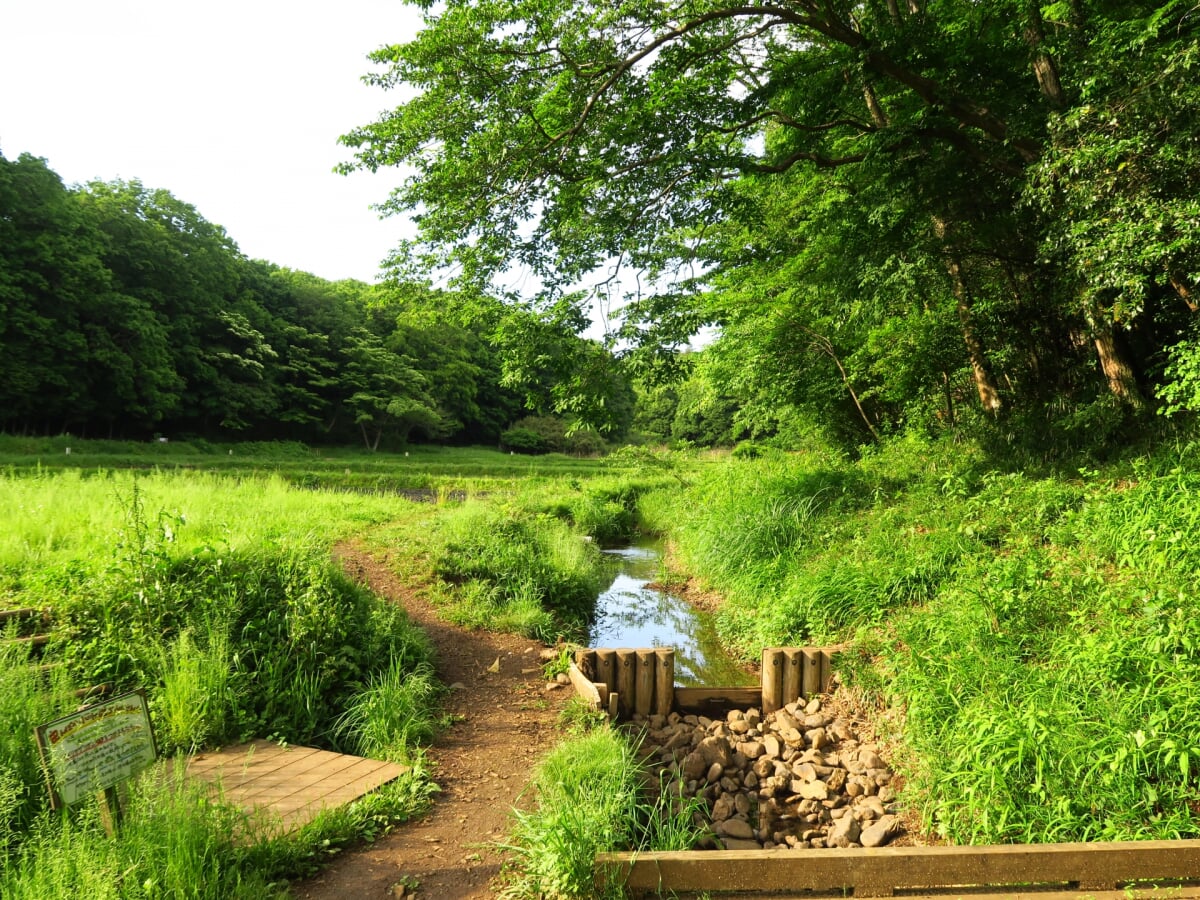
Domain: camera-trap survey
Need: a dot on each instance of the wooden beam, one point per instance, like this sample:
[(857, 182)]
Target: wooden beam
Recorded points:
[(811, 677), (643, 697), (793, 666), (664, 680), (585, 688), (772, 680), (626, 680), (692, 698), (883, 871), (606, 668)]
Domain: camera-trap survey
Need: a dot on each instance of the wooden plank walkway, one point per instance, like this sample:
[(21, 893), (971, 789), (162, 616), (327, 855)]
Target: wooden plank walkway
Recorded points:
[(289, 784)]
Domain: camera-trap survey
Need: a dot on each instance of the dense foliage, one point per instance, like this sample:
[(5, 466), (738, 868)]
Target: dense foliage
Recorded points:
[(918, 213), (123, 312)]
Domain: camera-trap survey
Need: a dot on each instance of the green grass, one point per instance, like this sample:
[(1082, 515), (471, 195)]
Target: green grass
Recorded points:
[(219, 596), (590, 796), (1034, 635)]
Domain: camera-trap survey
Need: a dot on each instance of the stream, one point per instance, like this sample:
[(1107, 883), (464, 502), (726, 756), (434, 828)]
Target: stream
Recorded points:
[(632, 614)]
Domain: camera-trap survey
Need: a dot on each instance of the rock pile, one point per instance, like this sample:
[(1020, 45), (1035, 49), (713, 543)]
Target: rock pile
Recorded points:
[(797, 778)]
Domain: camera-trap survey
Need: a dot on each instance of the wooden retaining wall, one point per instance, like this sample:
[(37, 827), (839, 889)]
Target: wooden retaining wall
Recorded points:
[(1026, 870), (626, 682), (642, 681)]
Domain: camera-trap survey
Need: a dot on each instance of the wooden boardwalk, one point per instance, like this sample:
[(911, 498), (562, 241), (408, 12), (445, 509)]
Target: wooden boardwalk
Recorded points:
[(289, 785)]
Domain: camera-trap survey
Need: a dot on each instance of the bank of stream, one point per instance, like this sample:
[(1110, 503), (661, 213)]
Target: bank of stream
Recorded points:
[(633, 613)]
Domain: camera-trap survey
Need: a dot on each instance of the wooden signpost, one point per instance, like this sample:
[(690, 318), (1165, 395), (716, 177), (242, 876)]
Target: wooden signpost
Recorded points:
[(95, 749)]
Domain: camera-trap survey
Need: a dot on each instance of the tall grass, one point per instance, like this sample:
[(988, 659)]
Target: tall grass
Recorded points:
[(230, 612), (590, 796), (517, 570), (1036, 635)]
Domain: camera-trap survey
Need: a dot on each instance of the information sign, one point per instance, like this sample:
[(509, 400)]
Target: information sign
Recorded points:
[(96, 748)]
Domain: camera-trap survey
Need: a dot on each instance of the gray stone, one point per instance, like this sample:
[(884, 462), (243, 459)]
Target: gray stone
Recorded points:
[(694, 766), (880, 832), (723, 808), (736, 828), (845, 831), (736, 844)]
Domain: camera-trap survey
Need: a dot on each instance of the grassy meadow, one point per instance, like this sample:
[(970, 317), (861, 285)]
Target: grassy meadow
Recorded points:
[(1030, 641), (1026, 638), (205, 575)]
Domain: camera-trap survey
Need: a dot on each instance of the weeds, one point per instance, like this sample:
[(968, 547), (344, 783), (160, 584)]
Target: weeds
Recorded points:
[(590, 798)]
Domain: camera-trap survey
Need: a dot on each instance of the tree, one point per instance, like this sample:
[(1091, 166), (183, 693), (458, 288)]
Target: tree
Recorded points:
[(565, 136)]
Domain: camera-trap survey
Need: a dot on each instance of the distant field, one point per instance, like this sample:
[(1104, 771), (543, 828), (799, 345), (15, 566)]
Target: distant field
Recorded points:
[(419, 468)]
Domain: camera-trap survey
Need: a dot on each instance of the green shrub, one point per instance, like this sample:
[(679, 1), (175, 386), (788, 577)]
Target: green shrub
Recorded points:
[(523, 440), (510, 562)]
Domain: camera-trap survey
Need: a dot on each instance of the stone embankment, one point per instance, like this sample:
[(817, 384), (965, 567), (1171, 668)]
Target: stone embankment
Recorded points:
[(797, 778)]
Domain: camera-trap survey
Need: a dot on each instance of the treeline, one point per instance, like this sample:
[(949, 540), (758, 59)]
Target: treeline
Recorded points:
[(124, 313)]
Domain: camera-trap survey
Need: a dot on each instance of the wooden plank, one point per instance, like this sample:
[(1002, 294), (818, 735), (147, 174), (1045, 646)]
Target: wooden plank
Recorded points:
[(25, 612), (584, 687), (793, 665), (285, 788), (643, 696), (772, 680), (811, 676), (664, 680), (883, 871), (606, 668), (626, 681), (725, 698)]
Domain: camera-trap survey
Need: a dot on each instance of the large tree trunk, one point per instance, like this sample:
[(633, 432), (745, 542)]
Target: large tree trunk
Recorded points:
[(989, 394), (1117, 370)]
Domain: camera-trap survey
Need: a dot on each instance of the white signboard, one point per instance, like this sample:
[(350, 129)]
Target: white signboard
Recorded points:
[(98, 747)]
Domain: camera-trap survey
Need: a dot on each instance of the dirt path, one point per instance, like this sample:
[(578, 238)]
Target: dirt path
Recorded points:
[(503, 722)]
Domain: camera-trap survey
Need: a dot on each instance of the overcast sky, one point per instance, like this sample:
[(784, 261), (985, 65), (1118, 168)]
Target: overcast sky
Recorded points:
[(234, 107)]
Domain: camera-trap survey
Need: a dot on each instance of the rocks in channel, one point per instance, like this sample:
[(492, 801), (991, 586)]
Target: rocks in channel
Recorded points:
[(796, 778)]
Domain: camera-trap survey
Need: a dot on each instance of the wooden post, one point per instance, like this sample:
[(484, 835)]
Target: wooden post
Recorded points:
[(811, 679), (772, 680), (826, 671), (606, 668), (586, 660), (111, 813), (793, 665), (643, 697), (664, 681), (626, 681), (614, 704)]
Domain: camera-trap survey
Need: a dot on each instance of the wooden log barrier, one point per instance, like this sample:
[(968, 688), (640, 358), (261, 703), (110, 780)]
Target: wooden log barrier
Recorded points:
[(811, 676), (606, 668), (626, 681), (793, 666), (644, 679), (664, 681), (882, 872), (772, 680), (586, 689), (827, 669)]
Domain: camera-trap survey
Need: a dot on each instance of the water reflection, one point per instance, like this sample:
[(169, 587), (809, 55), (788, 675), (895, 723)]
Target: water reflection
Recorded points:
[(631, 614)]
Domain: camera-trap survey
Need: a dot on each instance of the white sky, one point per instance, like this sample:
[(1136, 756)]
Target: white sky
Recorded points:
[(234, 106)]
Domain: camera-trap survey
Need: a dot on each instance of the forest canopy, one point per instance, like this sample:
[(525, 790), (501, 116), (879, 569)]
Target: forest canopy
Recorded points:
[(899, 213), (124, 313)]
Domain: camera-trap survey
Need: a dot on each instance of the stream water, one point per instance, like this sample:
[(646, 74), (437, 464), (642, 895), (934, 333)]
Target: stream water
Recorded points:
[(630, 613)]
